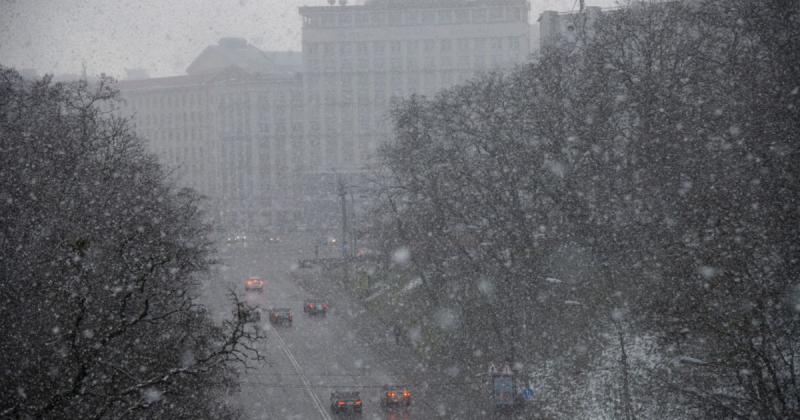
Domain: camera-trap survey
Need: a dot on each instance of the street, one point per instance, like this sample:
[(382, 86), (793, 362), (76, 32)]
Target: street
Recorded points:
[(315, 355)]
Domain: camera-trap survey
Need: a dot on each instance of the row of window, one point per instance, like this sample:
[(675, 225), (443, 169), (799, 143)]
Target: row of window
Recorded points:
[(336, 17), (411, 64), (409, 47), (167, 99), (171, 119)]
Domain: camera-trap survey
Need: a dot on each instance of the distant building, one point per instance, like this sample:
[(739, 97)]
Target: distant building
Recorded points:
[(564, 29), (358, 57), (231, 52), (29, 74), (225, 134), (267, 133), (136, 74)]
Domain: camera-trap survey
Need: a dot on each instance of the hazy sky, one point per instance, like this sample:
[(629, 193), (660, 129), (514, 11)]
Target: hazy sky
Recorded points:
[(162, 36)]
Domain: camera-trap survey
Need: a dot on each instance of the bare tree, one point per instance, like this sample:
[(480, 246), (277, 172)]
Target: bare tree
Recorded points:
[(100, 262)]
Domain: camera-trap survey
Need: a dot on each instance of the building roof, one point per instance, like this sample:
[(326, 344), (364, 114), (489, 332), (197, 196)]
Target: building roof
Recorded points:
[(409, 4), (226, 75), (231, 52)]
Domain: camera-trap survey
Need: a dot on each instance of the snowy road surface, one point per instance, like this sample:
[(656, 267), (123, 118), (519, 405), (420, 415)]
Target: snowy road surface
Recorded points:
[(313, 356)]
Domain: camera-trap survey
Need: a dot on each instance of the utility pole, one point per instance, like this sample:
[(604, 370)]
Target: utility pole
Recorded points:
[(354, 233), (343, 198)]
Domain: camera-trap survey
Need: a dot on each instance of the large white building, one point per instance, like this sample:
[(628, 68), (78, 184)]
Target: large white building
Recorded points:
[(264, 135)]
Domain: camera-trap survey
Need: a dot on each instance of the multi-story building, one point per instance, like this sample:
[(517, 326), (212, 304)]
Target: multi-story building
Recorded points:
[(267, 137), (564, 29), (224, 129), (358, 57)]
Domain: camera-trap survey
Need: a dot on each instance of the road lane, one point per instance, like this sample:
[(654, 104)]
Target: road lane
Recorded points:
[(307, 360)]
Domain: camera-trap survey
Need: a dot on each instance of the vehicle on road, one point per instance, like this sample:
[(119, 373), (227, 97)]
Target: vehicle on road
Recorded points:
[(236, 238), (252, 314), (503, 391), (315, 307), (280, 316), (395, 396), (346, 402), (254, 284)]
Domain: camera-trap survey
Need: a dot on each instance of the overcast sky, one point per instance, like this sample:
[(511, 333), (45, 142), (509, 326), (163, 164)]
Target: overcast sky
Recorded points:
[(162, 36)]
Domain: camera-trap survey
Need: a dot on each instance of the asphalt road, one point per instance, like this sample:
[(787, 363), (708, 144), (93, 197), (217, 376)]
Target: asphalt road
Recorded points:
[(313, 356)]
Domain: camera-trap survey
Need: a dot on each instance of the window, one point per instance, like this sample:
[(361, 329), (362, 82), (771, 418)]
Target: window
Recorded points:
[(445, 16), (445, 45), (462, 16), (377, 18), (411, 17), (395, 18), (496, 13), (345, 19), (361, 19), (496, 44), (412, 47), (429, 63), (379, 63)]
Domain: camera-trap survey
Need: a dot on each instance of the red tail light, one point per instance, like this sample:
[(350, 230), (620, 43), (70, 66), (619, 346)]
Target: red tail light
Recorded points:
[(359, 402), (391, 394), (406, 394), (325, 306), (310, 306), (340, 403)]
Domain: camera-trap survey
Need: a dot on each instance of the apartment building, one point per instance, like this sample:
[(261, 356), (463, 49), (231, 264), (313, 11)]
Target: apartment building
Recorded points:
[(266, 138), (356, 58)]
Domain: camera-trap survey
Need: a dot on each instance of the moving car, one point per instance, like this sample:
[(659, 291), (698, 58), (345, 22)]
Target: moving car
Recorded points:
[(280, 316), (395, 396), (252, 314), (236, 238), (254, 284), (343, 402), (314, 307)]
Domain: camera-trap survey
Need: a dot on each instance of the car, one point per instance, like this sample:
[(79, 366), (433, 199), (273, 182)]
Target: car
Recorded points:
[(252, 314), (236, 238), (254, 284), (280, 316), (396, 396), (315, 307), (344, 402)]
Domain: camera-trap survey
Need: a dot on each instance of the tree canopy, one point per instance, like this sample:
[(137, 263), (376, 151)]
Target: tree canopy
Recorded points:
[(100, 259), (624, 204)]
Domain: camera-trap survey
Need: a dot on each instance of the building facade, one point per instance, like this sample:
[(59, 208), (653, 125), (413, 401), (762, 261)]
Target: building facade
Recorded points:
[(356, 58), (268, 141)]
